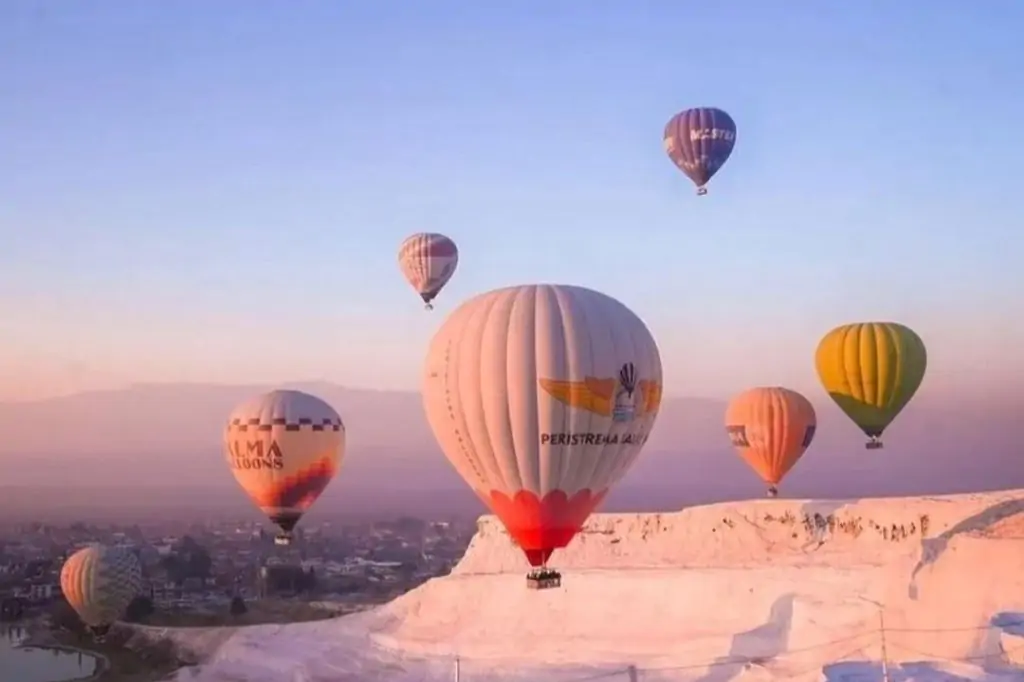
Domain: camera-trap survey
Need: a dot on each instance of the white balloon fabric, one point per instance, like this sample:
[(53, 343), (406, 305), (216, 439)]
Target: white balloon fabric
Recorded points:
[(541, 397), (428, 260), (99, 582)]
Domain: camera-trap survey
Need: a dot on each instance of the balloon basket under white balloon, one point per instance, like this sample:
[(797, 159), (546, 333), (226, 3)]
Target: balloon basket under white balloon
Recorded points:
[(543, 579)]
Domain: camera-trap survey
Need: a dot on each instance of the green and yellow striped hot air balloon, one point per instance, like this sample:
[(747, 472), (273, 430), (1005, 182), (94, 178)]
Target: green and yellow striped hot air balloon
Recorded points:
[(871, 370)]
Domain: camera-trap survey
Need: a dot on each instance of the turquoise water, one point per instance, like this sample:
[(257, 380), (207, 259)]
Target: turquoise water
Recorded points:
[(38, 664)]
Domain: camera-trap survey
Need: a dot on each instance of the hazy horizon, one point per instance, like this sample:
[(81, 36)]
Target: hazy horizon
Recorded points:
[(159, 446)]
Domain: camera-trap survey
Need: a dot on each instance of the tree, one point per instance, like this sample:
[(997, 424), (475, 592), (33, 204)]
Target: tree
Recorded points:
[(65, 617), (188, 560), (238, 607), (410, 524), (309, 584), (197, 561), (139, 609), (12, 608)]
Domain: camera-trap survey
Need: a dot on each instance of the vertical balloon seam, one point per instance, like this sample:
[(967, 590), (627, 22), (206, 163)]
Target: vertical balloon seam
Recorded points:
[(469, 338), (551, 305), (614, 322), (498, 431), (586, 365), (851, 369), (896, 339), (780, 437), (521, 300)]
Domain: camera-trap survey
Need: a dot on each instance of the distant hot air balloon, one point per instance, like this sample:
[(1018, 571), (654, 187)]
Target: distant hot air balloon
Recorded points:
[(99, 582), (699, 141), (428, 260), (770, 427), (284, 448), (541, 397), (871, 370)]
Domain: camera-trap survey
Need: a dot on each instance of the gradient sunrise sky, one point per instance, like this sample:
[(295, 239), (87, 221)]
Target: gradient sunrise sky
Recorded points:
[(215, 191)]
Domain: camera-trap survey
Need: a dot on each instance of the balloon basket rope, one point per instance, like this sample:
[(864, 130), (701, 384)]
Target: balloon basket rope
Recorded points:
[(543, 579)]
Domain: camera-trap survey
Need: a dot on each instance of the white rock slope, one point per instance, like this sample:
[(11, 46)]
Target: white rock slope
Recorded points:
[(754, 590)]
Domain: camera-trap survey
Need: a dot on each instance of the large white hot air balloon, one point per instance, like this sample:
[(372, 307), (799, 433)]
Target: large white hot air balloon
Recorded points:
[(541, 397), (284, 448), (428, 260), (99, 582)]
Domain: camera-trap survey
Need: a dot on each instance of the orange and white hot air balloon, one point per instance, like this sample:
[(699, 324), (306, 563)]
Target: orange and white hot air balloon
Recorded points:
[(541, 397), (284, 448), (428, 260), (99, 582), (770, 427)]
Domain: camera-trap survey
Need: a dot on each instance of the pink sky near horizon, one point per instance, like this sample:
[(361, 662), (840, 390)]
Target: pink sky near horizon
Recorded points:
[(713, 359)]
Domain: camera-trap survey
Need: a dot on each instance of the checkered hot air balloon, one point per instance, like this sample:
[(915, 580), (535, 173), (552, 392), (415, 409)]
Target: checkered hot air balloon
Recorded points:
[(428, 260), (99, 582), (542, 397), (284, 448)]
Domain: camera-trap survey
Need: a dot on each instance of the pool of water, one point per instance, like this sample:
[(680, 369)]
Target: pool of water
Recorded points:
[(36, 664)]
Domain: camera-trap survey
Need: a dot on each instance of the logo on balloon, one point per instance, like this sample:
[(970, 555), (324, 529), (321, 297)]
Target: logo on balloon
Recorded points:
[(622, 399), (738, 436), (254, 456)]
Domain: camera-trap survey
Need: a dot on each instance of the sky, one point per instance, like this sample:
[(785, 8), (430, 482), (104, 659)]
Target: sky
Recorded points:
[(198, 191)]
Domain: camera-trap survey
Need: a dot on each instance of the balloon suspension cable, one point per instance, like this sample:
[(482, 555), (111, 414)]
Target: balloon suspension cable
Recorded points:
[(701, 191)]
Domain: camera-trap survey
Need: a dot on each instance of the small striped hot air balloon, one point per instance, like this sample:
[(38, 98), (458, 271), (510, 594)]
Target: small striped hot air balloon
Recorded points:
[(428, 260), (699, 142), (99, 582), (284, 448), (771, 428)]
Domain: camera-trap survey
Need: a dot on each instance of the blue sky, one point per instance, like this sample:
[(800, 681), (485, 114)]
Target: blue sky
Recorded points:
[(216, 190)]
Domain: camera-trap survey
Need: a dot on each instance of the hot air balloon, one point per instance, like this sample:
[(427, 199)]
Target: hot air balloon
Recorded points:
[(770, 427), (541, 397), (871, 370), (428, 260), (284, 448), (699, 141), (99, 582)]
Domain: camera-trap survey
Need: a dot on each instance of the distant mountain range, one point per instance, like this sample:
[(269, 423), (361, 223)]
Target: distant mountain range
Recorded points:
[(160, 445)]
